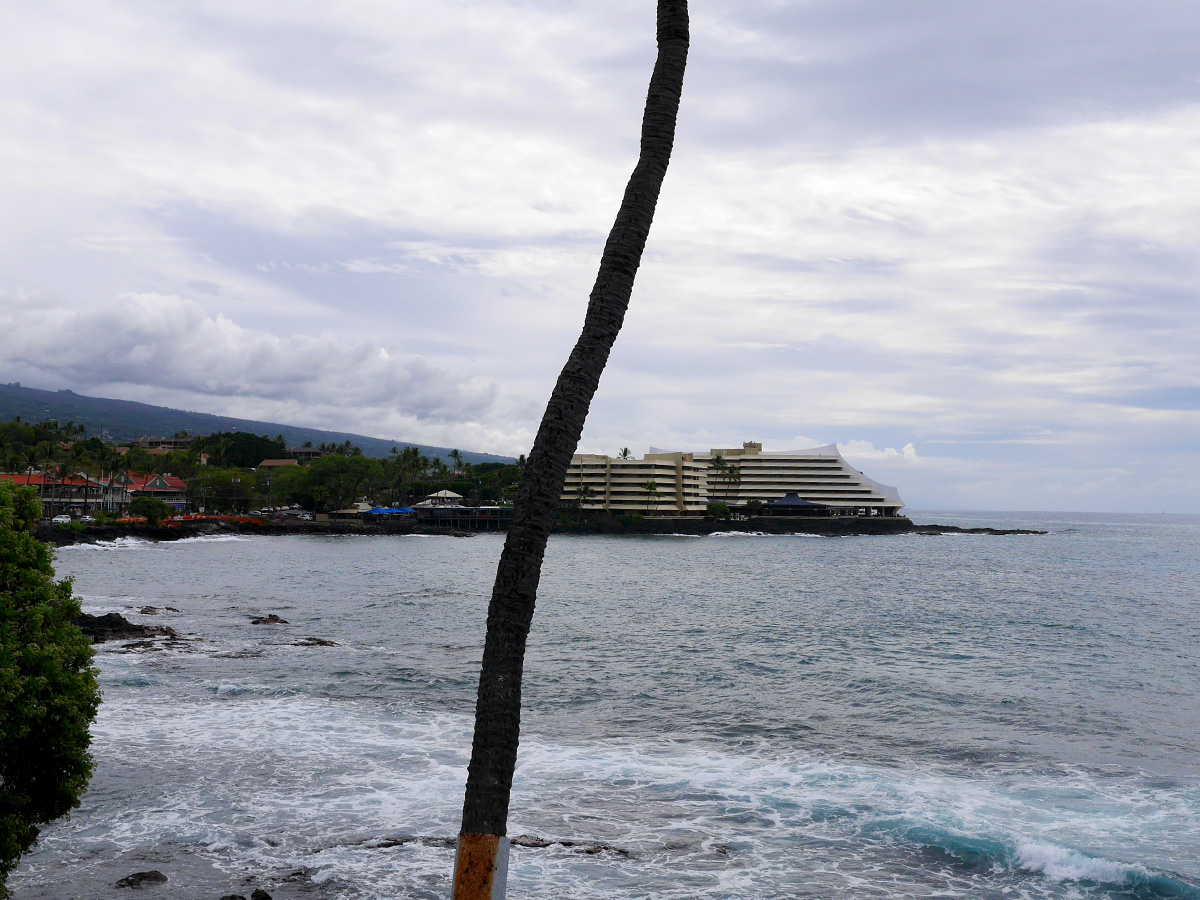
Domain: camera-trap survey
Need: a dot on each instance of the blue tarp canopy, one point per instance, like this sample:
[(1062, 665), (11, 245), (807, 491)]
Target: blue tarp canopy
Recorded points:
[(388, 511)]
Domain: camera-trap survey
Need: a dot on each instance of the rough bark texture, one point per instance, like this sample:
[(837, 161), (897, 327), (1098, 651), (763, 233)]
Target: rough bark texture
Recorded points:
[(498, 707)]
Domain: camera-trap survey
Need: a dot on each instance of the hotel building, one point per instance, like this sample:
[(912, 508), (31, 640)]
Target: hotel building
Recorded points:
[(616, 485), (676, 483)]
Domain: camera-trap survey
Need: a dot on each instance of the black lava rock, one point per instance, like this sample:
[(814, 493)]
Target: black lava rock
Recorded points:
[(115, 627), (141, 879)]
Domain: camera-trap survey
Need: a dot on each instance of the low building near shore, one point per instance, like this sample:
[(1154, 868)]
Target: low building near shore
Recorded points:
[(441, 498)]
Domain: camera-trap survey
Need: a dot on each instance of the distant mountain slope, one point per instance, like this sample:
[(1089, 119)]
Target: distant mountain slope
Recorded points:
[(125, 420)]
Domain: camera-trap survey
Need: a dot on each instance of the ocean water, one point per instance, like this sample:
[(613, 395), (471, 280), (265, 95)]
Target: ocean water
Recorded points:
[(738, 716)]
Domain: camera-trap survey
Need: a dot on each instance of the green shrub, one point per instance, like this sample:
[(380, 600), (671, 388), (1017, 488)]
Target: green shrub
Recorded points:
[(718, 511), (153, 509), (48, 693), (72, 527)]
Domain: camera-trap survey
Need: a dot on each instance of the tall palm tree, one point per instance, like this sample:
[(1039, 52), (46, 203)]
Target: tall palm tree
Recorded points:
[(624, 454), (587, 496), (732, 479), (653, 495), (481, 864)]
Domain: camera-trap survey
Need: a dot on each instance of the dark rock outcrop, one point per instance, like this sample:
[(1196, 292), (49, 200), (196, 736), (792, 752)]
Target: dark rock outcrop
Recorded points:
[(272, 619), (314, 642), (141, 879), (587, 848), (955, 529), (260, 894), (115, 627)]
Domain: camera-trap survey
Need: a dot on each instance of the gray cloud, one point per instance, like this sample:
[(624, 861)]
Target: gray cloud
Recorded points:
[(172, 343), (966, 228)]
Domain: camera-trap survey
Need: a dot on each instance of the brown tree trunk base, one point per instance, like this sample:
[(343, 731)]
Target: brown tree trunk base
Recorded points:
[(480, 867)]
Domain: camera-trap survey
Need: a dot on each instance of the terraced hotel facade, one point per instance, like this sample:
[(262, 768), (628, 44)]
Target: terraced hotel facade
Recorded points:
[(680, 483)]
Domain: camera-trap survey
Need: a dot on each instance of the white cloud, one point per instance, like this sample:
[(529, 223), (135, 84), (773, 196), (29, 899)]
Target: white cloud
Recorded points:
[(856, 450), (170, 344)]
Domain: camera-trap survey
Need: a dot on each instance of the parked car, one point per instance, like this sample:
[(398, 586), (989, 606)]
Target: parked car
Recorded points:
[(87, 520), (305, 517), (61, 520)]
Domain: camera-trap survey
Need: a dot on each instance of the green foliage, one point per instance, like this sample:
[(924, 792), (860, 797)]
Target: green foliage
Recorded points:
[(719, 511), (240, 449), (151, 508), (72, 527), (753, 506), (48, 692), (138, 460), (337, 481), (220, 490)]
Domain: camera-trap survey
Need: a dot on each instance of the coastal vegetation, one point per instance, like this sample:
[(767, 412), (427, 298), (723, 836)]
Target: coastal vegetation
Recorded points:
[(223, 471), (48, 692)]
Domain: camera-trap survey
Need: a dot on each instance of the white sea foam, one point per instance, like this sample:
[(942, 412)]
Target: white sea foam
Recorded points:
[(206, 539), (326, 779), (1064, 864), (121, 543)]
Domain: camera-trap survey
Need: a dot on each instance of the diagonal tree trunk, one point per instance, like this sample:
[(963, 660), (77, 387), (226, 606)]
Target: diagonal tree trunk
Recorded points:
[(481, 865)]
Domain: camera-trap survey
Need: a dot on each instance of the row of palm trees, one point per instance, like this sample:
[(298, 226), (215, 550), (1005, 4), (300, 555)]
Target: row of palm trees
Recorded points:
[(62, 454), (409, 467)]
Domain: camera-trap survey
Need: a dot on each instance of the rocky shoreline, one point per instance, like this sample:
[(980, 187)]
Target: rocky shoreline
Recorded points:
[(831, 527)]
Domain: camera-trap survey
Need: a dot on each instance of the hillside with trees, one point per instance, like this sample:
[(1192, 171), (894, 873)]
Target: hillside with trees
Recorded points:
[(125, 420)]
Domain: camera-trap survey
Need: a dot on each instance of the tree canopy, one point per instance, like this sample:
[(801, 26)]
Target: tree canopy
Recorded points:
[(48, 692)]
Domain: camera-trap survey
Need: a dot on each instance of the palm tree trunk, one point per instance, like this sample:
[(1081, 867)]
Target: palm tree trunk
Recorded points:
[(480, 868)]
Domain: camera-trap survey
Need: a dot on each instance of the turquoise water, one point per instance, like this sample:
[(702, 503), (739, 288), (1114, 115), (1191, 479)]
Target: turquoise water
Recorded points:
[(736, 716)]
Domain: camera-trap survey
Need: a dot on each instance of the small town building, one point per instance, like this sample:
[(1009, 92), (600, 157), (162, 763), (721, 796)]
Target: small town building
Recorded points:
[(441, 498), (166, 487), (278, 463), (167, 444)]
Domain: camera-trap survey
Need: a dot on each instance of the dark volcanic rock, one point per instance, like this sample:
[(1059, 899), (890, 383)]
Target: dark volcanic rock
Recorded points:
[(272, 619), (585, 847), (234, 897), (140, 647), (149, 610), (115, 627), (954, 529), (260, 894), (314, 642), (140, 879)]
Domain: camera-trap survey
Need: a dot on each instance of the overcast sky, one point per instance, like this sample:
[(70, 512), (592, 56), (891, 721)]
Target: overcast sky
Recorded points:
[(958, 239)]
